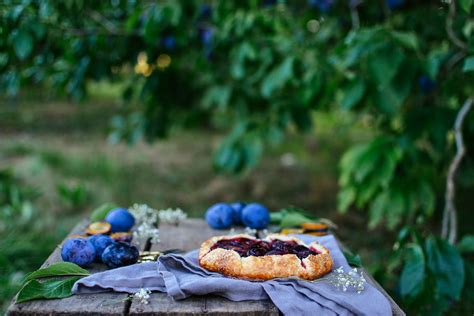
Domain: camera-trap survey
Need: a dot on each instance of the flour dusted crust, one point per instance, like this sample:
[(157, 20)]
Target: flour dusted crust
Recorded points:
[(266, 267)]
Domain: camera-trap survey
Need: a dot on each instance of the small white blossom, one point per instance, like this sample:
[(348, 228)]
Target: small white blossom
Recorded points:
[(250, 231), (147, 221), (344, 281), (144, 214), (171, 216), (145, 231), (143, 295)]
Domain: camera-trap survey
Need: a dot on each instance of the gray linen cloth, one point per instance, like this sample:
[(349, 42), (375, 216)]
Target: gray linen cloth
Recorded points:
[(180, 276)]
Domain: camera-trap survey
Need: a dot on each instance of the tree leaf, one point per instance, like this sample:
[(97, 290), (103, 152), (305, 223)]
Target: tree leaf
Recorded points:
[(468, 64), (352, 259), (217, 95), (49, 289), (22, 44), (407, 39), (389, 98), (466, 244), (413, 273), (466, 5), (447, 265), (353, 93), (252, 149), (378, 208), (278, 77), (58, 269), (396, 209), (345, 198), (426, 197), (384, 64)]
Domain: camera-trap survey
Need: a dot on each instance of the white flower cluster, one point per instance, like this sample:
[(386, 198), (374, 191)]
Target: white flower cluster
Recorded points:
[(343, 281), (143, 295), (145, 231), (144, 214), (171, 216), (250, 231), (147, 220)]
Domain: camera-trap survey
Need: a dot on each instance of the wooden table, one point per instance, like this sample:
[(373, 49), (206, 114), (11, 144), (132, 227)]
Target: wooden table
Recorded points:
[(188, 235)]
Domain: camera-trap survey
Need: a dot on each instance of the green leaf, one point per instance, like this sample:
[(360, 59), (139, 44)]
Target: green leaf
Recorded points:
[(466, 5), (345, 198), (22, 44), (353, 93), (396, 208), (58, 269), (294, 219), (384, 64), (49, 289), (378, 208), (434, 61), (389, 98), (278, 77), (252, 149), (413, 273), (426, 197), (101, 212), (367, 163), (229, 157), (407, 39), (468, 64), (352, 259), (240, 55), (466, 245), (276, 217), (217, 95), (447, 265)]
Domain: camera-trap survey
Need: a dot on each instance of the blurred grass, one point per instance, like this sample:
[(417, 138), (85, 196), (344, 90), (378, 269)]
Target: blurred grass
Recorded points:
[(50, 142)]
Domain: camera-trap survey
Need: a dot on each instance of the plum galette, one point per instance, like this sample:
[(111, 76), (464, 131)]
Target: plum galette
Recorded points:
[(276, 256)]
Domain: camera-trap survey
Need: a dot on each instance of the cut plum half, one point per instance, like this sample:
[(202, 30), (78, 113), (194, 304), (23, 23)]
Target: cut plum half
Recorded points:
[(246, 247)]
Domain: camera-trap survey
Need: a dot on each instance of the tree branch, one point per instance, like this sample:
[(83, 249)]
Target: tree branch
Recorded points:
[(355, 17), (449, 224), (449, 27)]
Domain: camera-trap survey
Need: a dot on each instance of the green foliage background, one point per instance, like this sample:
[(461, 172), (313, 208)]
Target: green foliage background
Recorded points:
[(259, 69)]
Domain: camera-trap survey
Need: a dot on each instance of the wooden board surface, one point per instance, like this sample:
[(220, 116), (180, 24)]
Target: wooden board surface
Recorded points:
[(187, 236)]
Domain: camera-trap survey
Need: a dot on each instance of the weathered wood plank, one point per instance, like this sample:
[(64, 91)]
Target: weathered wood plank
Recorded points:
[(187, 236), (210, 305), (160, 303), (86, 304), (216, 305)]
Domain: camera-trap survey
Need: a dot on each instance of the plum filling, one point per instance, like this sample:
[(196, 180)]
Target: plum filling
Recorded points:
[(250, 247)]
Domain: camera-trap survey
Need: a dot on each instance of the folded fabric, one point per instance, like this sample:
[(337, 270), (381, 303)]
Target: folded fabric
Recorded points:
[(180, 276)]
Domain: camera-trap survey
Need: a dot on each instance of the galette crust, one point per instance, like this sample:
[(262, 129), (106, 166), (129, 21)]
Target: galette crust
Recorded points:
[(229, 262)]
